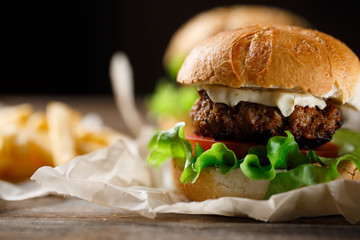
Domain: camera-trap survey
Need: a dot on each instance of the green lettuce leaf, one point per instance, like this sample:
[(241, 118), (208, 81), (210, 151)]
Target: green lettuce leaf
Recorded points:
[(284, 153), (347, 140), (303, 175), (174, 65), (169, 100), (190, 174), (309, 174), (168, 144), (218, 155), (252, 169)]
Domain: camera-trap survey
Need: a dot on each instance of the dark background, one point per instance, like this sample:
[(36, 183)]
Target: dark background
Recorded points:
[(59, 47)]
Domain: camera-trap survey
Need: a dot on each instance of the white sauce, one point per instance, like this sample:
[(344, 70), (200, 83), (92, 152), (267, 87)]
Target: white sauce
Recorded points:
[(285, 101)]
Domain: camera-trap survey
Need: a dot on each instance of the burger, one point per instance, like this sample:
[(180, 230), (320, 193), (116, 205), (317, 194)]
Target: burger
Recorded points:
[(169, 103), (210, 22), (268, 114)]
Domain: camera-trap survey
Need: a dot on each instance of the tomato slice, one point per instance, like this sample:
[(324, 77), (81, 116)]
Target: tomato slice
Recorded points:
[(240, 149), (328, 150)]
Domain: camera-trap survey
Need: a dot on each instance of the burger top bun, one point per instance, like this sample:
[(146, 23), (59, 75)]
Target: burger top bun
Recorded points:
[(208, 23), (276, 56)]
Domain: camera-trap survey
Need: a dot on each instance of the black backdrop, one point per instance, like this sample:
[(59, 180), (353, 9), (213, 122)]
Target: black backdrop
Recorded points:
[(59, 47)]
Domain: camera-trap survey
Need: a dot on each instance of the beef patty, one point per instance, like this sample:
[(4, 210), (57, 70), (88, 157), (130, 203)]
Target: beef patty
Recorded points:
[(253, 122)]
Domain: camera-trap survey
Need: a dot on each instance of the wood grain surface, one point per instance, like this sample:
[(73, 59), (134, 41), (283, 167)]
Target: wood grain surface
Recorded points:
[(55, 217), (69, 218)]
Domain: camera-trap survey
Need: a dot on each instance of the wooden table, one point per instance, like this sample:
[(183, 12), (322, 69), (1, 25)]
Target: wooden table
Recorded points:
[(70, 218)]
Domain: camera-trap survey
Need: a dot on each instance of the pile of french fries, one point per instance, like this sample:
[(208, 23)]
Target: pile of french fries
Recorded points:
[(31, 139)]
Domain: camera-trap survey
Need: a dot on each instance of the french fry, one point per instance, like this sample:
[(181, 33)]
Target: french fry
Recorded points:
[(20, 155), (91, 139), (59, 119), (15, 148), (38, 134), (37, 121), (30, 139), (15, 115)]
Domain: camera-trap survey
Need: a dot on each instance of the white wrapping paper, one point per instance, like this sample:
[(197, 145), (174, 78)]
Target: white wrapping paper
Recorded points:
[(21, 191), (117, 178)]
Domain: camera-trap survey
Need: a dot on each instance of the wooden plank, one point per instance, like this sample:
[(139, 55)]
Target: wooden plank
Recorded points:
[(58, 218)]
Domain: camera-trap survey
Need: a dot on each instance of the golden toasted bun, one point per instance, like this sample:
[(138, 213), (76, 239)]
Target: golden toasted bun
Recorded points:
[(212, 184), (276, 56), (208, 23)]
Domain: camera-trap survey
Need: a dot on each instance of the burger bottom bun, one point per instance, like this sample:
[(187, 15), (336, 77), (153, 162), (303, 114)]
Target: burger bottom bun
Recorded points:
[(212, 184)]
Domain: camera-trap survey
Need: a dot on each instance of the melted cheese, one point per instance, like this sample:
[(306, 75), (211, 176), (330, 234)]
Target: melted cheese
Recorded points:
[(285, 101)]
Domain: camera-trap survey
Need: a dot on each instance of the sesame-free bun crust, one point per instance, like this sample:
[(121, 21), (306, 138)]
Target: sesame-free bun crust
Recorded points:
[(213, 21), (211, 184), (276, 56)]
